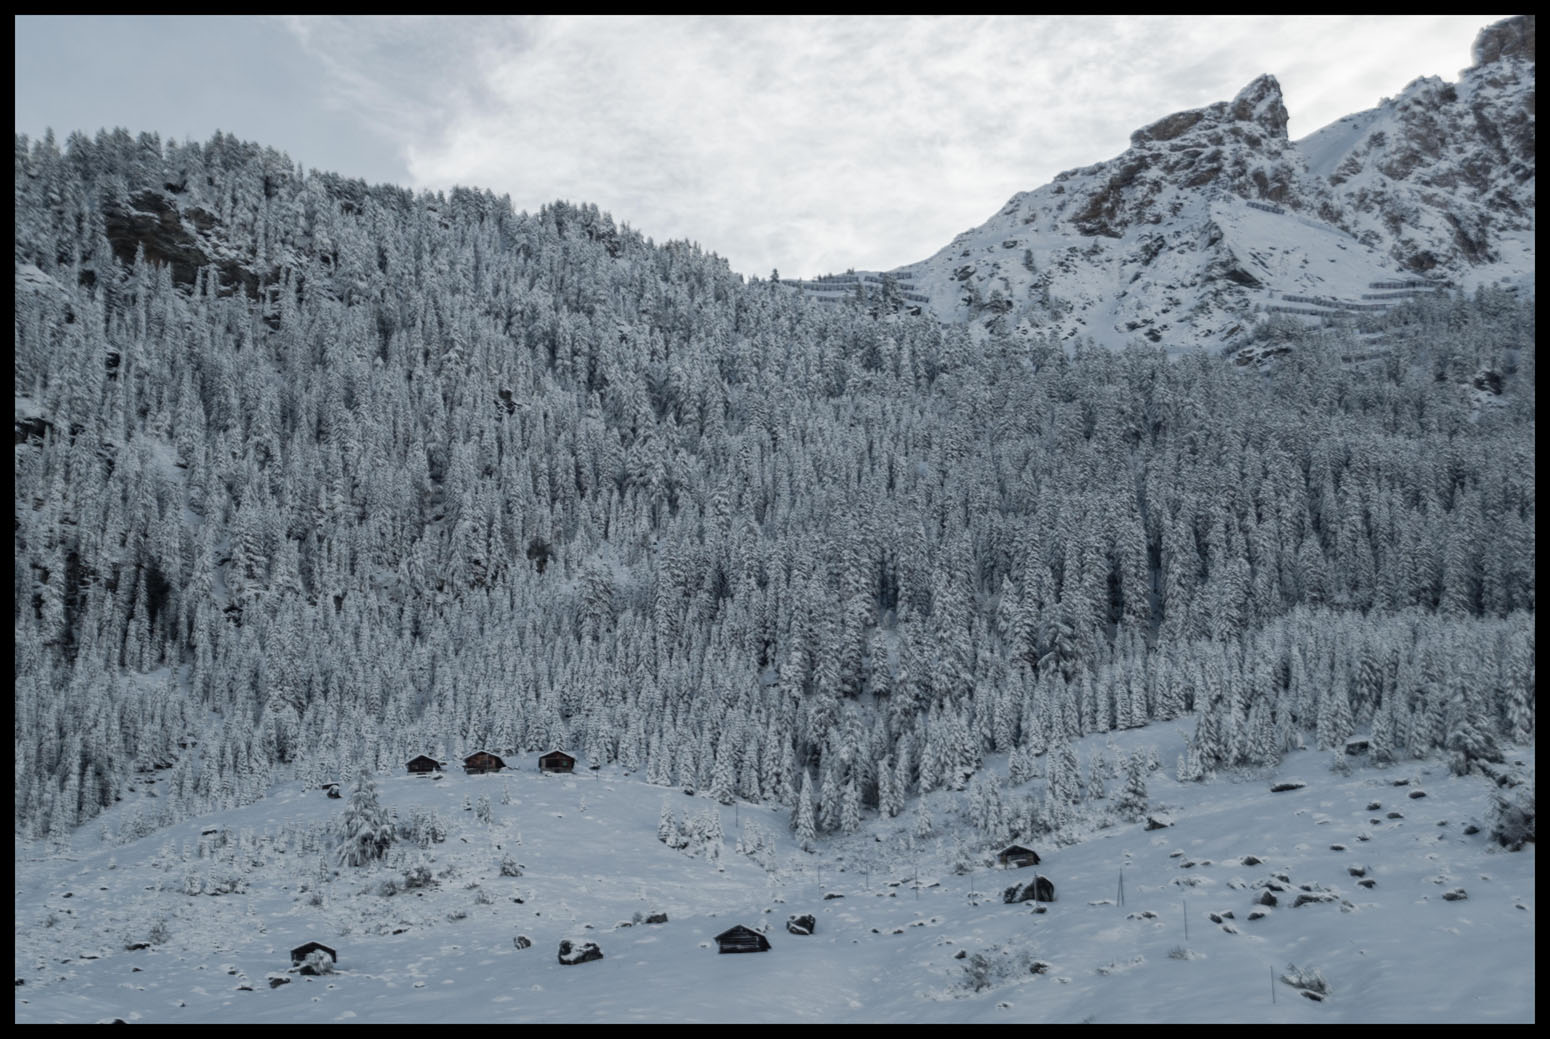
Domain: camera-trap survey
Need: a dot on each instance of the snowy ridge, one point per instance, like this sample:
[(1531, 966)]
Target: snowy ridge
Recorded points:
[(1214, 214)]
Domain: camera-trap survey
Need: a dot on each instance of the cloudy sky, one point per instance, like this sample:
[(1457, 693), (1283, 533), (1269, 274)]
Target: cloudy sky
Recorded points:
[(807, 144)]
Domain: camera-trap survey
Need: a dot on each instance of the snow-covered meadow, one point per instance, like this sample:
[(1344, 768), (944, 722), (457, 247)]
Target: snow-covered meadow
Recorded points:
[(901, 934)]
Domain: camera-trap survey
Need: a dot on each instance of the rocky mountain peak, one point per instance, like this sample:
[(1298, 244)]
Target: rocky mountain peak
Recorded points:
[(1512, 38), (1259, 103)]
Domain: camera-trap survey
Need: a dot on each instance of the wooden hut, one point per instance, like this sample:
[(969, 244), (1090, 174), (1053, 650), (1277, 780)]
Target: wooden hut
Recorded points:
[(1018, 856), (482, 761), (423, 765), (741, 939), (301, 952), (556, 761)]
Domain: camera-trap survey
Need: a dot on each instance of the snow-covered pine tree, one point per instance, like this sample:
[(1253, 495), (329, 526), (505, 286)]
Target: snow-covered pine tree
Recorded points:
[(367, 829)]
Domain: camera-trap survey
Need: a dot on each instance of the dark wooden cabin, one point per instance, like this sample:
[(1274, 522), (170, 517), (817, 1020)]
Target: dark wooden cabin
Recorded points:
[(423, 764), (741, 939), (482, 761), (556, 761), (301, 952), (1019, 856)]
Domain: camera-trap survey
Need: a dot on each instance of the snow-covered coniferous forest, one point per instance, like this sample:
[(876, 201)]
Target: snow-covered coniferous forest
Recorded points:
[(313, 477)]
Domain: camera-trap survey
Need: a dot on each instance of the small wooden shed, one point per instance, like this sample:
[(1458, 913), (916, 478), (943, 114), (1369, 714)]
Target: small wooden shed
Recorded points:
[(482, 761), (556, 761), (301, 952), (1018, 856), (423, 765), (741, 939)]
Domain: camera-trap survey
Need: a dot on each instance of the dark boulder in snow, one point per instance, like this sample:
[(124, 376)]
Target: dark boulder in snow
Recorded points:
[(801, 923), (657, 918), (1458, 894), (1287, 784), (1040, 889), (579, 952), (522, 941)]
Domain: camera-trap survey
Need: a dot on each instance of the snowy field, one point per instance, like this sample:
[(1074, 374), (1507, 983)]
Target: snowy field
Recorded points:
[(901, 936)]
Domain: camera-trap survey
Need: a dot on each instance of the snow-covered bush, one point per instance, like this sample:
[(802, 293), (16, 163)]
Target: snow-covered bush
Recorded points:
[(318, 962), (1512, 816), (1311, 979), (510, 867)]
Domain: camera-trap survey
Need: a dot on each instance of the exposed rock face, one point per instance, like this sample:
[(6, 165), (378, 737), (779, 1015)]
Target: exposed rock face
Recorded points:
[(1513, 38), (802, 923), (1213, 213)]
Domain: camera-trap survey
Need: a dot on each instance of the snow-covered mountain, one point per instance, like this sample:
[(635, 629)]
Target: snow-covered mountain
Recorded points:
[(1214, 215)]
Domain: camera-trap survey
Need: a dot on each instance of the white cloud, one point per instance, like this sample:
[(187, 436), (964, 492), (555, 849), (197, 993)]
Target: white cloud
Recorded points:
[(816, 144)]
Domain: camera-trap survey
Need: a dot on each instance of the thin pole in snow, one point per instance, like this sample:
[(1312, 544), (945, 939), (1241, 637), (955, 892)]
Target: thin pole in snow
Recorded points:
[(1186, 919), (1272, 986)]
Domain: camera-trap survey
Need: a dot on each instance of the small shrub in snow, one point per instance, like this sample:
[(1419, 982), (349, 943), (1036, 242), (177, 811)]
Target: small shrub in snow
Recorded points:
[(1178, 952), (1512, 816), (1311, 980), (318, 962), (510, 867), (159, 934)]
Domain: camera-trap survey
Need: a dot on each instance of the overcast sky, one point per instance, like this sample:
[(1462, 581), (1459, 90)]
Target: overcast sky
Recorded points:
[(807, 144)]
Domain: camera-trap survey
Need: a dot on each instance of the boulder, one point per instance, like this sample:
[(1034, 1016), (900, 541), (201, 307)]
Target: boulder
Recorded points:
[(1039, 889), (657, 918), (579, 952), (522, 941), (801, 923)]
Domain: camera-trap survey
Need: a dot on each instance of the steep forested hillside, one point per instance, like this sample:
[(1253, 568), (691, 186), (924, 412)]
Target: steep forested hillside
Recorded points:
[(312, 476)]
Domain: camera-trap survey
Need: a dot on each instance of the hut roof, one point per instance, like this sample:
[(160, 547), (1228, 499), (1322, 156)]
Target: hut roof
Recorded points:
[(424, 759), (301, 952), (742, 939)]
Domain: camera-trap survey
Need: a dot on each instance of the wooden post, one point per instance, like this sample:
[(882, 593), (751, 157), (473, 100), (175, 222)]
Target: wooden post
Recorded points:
[(1186, 919)]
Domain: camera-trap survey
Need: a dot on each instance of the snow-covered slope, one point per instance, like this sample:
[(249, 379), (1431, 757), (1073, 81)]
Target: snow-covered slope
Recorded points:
[(1213, 215), (901, 935)]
